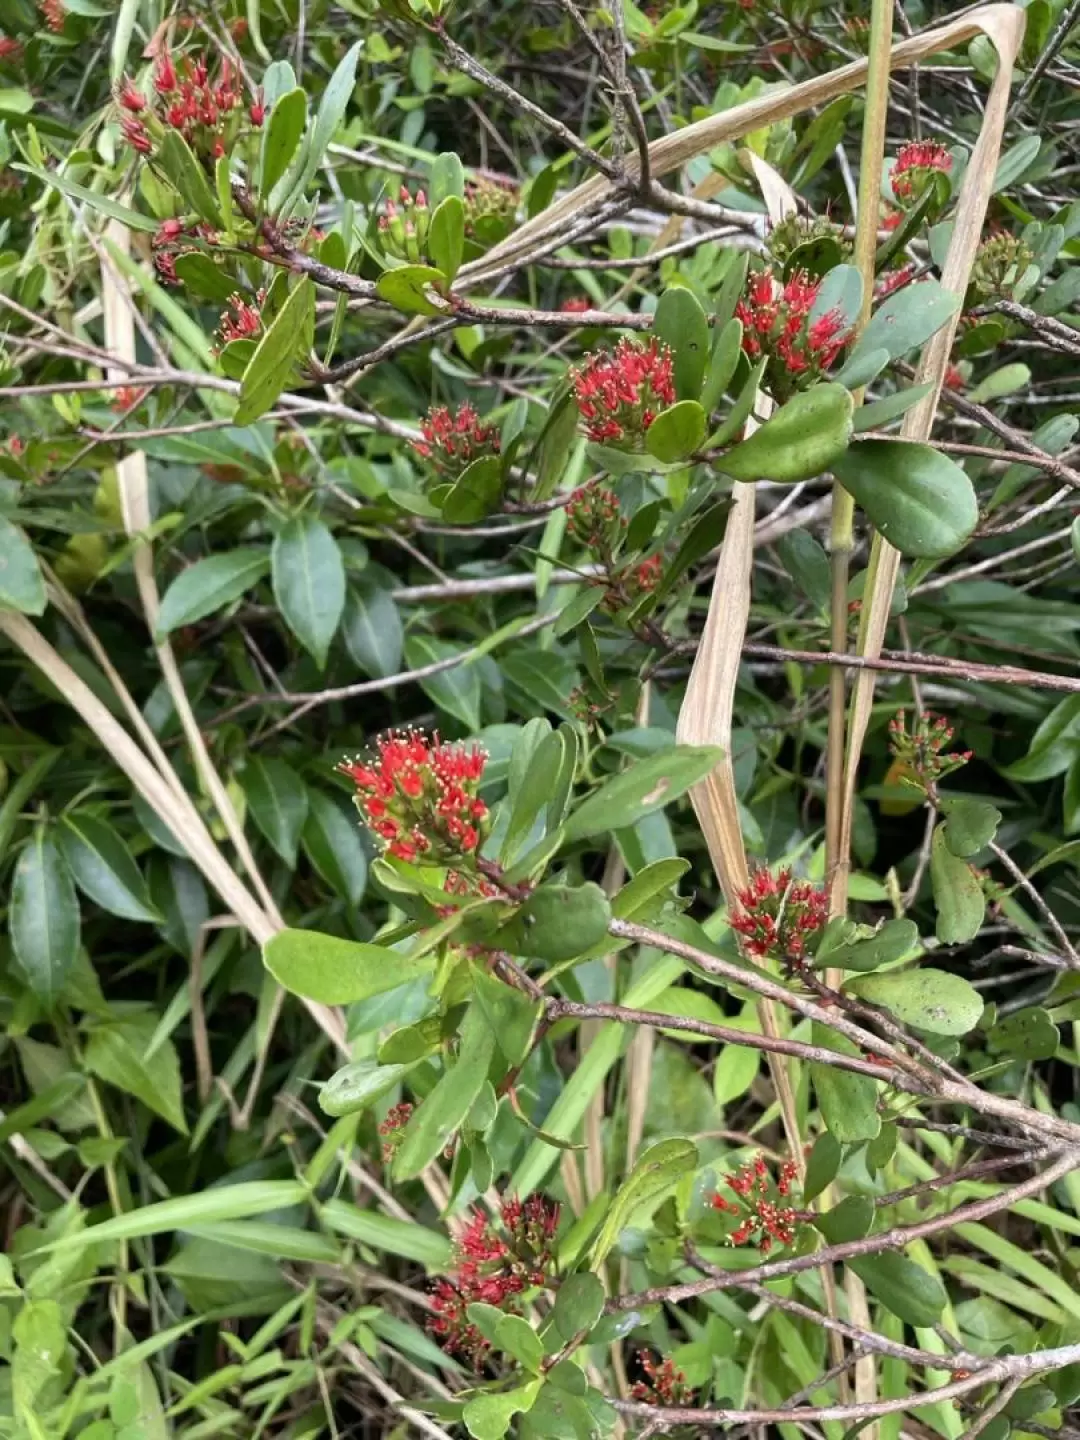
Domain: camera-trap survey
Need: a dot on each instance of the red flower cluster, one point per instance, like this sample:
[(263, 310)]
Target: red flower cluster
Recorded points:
[(647, 576), (493, 1267), (763, 1218), (207, 113), (776, 322), (777, 915), (171, 239), (915, 167), (419, 796), (893, 280), (53, 13), (576, 305), (452, 440), (10, 49), (397, 1117), (126, 398), (619, 394), (954, 378), (920, 753), (239, 320), (664, 1383)]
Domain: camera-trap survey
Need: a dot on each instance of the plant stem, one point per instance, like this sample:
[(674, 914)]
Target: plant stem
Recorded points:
[(843, 511)]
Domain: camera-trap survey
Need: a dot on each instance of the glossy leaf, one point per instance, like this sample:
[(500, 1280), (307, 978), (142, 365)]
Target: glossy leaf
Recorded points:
[(43, 919), (102, 866), (958, 894), (927, 999), (334, 971), (903, 1287), (309, 583), (801, 440), (579, 1303), (283, 345), (970, 825), (557, 922), (644, 786), (209, 585), (371, 628), (921, 501), (284, 129), (356, 1087), (488, 1416), (331, 841), (21, 584), (848, 1102), (434, 1121), (658, 1170), (278, 802), (406, 288), (681, 324), (676, 432), (446, 235)]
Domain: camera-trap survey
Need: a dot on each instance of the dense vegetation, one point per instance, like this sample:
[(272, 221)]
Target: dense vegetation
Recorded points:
[(541, 733)]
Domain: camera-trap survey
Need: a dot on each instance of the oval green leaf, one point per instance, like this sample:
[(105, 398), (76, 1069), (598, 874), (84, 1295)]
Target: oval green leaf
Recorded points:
[(930, 1000), (208, 586), (801, 440), (334, 971), (919, 499)]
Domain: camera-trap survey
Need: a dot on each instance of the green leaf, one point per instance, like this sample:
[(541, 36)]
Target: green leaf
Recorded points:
[(308, 576), (174, 157), (1006, 380), (101, 203), (1028, 1034), (357, 1086), (22, 587), (841, 289), (848, 1102), (659, 1169), (201, 277), (331, 841), (405, 288), (446, 236), (930, 1000), (805, 560), (332, 107), (894, 940), (278, 801), (371, 628), (102, 867), (822, 1166), (681, 324), (475, 493), (888, 408), (958, 895), (334, 971), (579, 1303), (676, 432), (284, 343), (488, 1416), (643, 787), (287, 123), (518, 1339), (850, 1220), (447, 177), (434, 1121), (1054, 746), (511, 1015), (909, 1291), (557, 922), (970, 825), (456, 690), (116, 1053), (208, 586), (802, 439), (904, 321), (919, 499), (43, 918), (407, 1238), (722, 364), (219, 1202)]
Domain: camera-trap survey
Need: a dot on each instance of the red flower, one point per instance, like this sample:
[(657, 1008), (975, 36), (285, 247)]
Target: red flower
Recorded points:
[(239, 320), (10, 49), (257, 108), (646, 576), (954, 378), (893, 280), (54, 14), (762, 1218), (420, 797), (915, 167), (134, 132), (391, 1129), (452, 440), (126, 398), (664, 1384), (777, 916), (776, 321), (493, 1267), (165, 74), (576, 305), (129, 98), (619, 394), (592, 515)]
